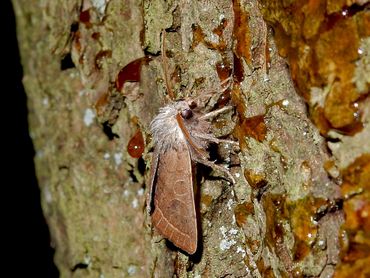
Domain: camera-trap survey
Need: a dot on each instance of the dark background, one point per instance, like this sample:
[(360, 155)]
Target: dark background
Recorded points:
[(27, 238)]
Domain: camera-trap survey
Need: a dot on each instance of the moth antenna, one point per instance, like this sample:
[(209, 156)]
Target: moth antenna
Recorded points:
[(215, 113), (165, 67), (209, 93)]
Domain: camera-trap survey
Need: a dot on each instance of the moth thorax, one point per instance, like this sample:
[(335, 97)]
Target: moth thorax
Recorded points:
[(165, 129)]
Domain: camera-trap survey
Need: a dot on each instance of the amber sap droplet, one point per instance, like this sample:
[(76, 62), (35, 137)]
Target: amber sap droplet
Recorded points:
[(135, 146), (241, 33), (241, 212), (95, 35), (255, 180), (255, 127), (274, 207), (224, 99), (219, 30), (131, 72), (223, 70), (300, 250), (238, 69), (85, 18), (198, 35), (101, 103)]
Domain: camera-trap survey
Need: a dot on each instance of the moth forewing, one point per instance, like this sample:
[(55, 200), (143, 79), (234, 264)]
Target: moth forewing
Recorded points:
[(174, 214)]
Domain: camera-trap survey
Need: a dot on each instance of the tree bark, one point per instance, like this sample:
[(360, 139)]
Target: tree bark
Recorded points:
[(281, 218)]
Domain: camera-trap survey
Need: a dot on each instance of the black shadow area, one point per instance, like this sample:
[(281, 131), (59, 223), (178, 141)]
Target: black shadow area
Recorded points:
[(27, 251)]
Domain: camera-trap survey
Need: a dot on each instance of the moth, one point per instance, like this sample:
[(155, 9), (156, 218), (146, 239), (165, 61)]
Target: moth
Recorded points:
[(181, 134)]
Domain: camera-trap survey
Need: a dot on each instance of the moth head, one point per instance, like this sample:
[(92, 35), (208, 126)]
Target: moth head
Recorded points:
[(179, 106), (187, 113), (185, 109)]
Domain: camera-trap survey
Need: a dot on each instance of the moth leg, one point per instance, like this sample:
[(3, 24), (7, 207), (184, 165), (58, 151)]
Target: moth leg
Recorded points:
[(227, 80), (207, 95), (213, 139), (215, 113), (216, 167)]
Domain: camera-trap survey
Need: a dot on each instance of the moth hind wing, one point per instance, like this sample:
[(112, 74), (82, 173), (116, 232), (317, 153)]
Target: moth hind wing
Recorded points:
[(152, 177)]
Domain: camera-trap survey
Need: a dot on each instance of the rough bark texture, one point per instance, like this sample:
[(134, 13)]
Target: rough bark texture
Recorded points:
[(280, 219)]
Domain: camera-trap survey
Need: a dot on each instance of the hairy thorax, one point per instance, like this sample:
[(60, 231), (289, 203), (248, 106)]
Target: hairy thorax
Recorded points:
[(177, 124)]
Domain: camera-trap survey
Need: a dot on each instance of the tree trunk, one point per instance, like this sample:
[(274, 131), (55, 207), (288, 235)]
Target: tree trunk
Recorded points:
[(87, 113)]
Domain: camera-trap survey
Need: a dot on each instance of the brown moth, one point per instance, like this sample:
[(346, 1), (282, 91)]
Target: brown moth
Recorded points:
[(181, 135)]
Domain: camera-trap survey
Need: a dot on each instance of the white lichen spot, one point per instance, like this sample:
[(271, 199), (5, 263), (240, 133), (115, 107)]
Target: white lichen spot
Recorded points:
[(285, 102), (135, 203), (226, 244), (99, 5), (47, 195), (118, 158), (32, 135), (241, 250), (89, 117), (126, 193), (221, 17), (131, 270), (213, 38), (45, 101), (140, 192), (226, 166), (40, 153), (223, 231), (233, 231), (322, 244), (360, 51), (229, 204), (87, 259), (237, 175), (106, 156), (233, 221), (107, 190), (83, 92)]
